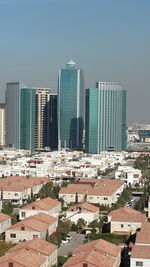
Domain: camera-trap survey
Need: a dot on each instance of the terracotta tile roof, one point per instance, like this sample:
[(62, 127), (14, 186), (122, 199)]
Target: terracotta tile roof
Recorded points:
[(43, 204), (35, 245), (101, 187), (126, 214), (142, 252), (145, 227), (143, 237), (75, 188), (18, 184), (96, 253), (38, 222), (85, 206), (4, 217), (22, 258)]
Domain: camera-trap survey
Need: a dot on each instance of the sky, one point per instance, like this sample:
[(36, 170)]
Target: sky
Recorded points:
[(108, 39)]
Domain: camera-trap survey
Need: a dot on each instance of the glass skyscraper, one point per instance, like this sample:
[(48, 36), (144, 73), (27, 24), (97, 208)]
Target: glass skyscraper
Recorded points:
[(27, 119), (70, 107), (105, 118)]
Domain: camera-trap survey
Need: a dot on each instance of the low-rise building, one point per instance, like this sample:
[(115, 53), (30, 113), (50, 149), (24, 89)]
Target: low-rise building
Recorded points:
[(149, 207), (17, 189), (95, 254), (125, 220), (48, 206), (85, 211), (140, 254), (23, 258), (38, 246), (128, 174), (39, 225), (95, 191), (5, 222)]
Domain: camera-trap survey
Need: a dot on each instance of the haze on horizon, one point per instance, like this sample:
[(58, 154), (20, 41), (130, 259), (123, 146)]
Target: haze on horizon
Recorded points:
[(108, 39)]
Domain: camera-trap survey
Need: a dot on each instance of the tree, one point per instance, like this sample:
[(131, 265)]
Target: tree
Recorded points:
[(81, 223), (7, 208)]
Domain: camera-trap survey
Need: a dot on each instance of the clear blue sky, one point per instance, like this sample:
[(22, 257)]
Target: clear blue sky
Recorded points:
[(109, 39)]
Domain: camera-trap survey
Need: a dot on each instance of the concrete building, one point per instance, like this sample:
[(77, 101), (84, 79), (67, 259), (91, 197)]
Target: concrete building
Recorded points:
[(2, 124), (31, 227), (23, 258), (95, 254), (102, 191), (39, 247), (125, 220), (128, 174), (70, 107), (84, 211), (17, 189), (5, 222), (48, 206), (105, 128), (140, 254)]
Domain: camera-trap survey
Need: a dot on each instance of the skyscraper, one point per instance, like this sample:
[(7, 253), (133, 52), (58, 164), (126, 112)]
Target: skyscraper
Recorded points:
[(31, 116), (70, 107), (12, 113), (2, 124), (27, 119), (46, 119), (105, 118)]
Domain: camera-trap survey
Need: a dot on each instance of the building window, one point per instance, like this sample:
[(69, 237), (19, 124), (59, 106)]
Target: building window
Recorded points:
[(90, 197), (105, 198), (12, 235), (139, 263), (129, 225), (23, 214), (122, 225), (16, 194)]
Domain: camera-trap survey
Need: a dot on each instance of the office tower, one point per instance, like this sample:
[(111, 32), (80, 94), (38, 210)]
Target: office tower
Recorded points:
[(12, 114), (46, 119), (70, 107), (31, 115), (105, 118), (27, 119), (2, 124)]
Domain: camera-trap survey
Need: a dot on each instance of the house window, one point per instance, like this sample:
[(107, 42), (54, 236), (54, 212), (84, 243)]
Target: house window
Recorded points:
[(139, 263), (122, 225), (105, 198), (129, 225), (23, 214), (12, 235), (90, 197), (16, 194)]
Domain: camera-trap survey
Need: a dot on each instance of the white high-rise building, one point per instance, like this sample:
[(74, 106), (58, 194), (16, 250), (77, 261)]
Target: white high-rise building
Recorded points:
[(2, 124)]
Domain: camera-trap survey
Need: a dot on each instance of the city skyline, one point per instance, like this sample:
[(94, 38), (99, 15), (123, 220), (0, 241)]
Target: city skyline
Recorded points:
[(109, 40)]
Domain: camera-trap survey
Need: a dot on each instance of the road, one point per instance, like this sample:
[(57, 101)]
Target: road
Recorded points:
[(77, 239)]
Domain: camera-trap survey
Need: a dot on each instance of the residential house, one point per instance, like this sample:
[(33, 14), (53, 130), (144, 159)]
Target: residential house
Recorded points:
[(47, 205), (5, 222), (95, 191), (95, 254), (125, 220), (40, 247), (17, 189), (23, 258), (39, 225), (140, 254), (85, 211)]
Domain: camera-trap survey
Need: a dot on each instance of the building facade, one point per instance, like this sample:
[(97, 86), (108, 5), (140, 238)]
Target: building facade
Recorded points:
[(70, 107), (46, 119), (31, 117), (12, 113), (2, 124), (105, 118)]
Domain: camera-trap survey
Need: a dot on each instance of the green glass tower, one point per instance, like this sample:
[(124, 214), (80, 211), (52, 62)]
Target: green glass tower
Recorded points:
[(70, 107), (27, 119), (105, 118)]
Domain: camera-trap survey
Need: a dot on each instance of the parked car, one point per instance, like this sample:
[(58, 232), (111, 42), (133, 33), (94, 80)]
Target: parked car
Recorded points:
[(65, 241), (69, 237), (81, 231)]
